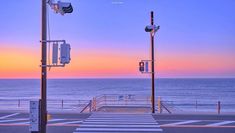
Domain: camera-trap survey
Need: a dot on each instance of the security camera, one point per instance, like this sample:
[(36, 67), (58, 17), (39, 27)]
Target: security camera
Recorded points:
[(150, 28), (61, 7)]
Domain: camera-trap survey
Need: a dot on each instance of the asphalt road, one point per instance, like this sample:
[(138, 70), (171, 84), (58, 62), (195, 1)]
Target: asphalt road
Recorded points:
[(68, 123), (193, 123)]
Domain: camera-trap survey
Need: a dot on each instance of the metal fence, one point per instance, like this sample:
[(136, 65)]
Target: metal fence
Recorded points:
[(121, 100), (197, 106), (126, 100), (52, 104)]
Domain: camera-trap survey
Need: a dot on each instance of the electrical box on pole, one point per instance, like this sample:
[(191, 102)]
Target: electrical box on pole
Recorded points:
[(34, 116)]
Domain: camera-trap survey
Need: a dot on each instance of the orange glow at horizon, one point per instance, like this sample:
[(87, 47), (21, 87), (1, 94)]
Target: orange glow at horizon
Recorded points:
[(24, 63)]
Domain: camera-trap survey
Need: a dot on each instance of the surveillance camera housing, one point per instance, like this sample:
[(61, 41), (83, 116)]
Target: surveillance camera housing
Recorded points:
[(65, 7), (150, 28)]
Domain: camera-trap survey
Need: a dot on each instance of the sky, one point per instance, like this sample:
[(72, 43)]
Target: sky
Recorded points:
[(195, 40)]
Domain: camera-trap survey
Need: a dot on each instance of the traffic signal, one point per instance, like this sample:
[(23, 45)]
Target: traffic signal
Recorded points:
[(141, 66)]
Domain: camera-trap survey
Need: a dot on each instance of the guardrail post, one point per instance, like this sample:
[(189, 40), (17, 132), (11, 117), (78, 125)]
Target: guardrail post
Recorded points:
[(218, 107), (104, 99), (126, 99), (159, 105), (62, 103), (90, 106), (94, 104), (18, 102)]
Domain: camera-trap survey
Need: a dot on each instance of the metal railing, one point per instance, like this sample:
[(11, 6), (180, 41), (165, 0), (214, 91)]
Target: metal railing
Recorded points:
[(197, 106), (126, 100), (121, 100), (52, 104)]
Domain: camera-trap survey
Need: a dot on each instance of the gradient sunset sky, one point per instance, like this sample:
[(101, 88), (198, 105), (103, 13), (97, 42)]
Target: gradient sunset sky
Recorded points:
[(196, 39)]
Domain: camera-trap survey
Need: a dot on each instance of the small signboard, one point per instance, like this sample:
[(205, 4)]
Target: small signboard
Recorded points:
[(34, 116)]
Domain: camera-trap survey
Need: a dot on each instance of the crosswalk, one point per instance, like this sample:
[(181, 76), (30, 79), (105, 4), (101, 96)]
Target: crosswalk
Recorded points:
[(121, 123)]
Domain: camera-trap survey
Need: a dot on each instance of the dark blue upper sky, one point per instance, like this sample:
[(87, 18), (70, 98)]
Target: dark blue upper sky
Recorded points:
[(184, 23)]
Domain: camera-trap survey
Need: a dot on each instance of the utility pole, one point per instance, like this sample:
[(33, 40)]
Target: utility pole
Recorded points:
[(143, 65), (152, 59), (43, 101)]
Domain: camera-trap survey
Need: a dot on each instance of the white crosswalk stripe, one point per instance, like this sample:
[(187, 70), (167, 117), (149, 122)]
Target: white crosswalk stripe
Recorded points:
[(68, 122), (181, 123), (221, 123), (11, 120), (122, 123), (7, 116)]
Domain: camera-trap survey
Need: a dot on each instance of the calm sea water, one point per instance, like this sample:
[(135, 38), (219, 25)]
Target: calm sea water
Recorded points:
[(181, 90)]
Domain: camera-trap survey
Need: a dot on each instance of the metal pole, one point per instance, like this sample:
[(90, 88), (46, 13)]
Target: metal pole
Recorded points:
[(152, 55), (218, 107), (43, 109)]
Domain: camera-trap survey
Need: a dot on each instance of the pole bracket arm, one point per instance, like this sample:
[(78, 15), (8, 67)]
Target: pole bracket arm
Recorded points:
[(48, 41), (52, 65)]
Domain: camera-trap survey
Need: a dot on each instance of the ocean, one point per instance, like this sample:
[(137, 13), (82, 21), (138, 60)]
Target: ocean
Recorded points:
[(180, 92)]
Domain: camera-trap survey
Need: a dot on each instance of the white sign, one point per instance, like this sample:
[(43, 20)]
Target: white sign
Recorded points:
[(34, 116)]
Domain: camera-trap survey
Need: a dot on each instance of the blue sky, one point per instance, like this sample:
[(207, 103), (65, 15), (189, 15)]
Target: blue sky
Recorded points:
[(188, 27)]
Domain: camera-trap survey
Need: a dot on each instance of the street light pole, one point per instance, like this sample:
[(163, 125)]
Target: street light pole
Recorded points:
[(43, 103), (152, 59)]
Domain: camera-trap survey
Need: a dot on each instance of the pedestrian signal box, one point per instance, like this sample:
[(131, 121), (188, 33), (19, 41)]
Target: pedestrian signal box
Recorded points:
[(55, 53), (65, 53), (141, 66)]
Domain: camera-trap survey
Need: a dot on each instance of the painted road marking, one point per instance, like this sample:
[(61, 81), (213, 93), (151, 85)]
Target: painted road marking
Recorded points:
[(19, 123), (7, 116), (68, 122), (127, 123), (11, 120), (196, 126), (52, 120), (181, 123), (221, 123), (120, 129), (119, 123), (121, 126), (27, 122)]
